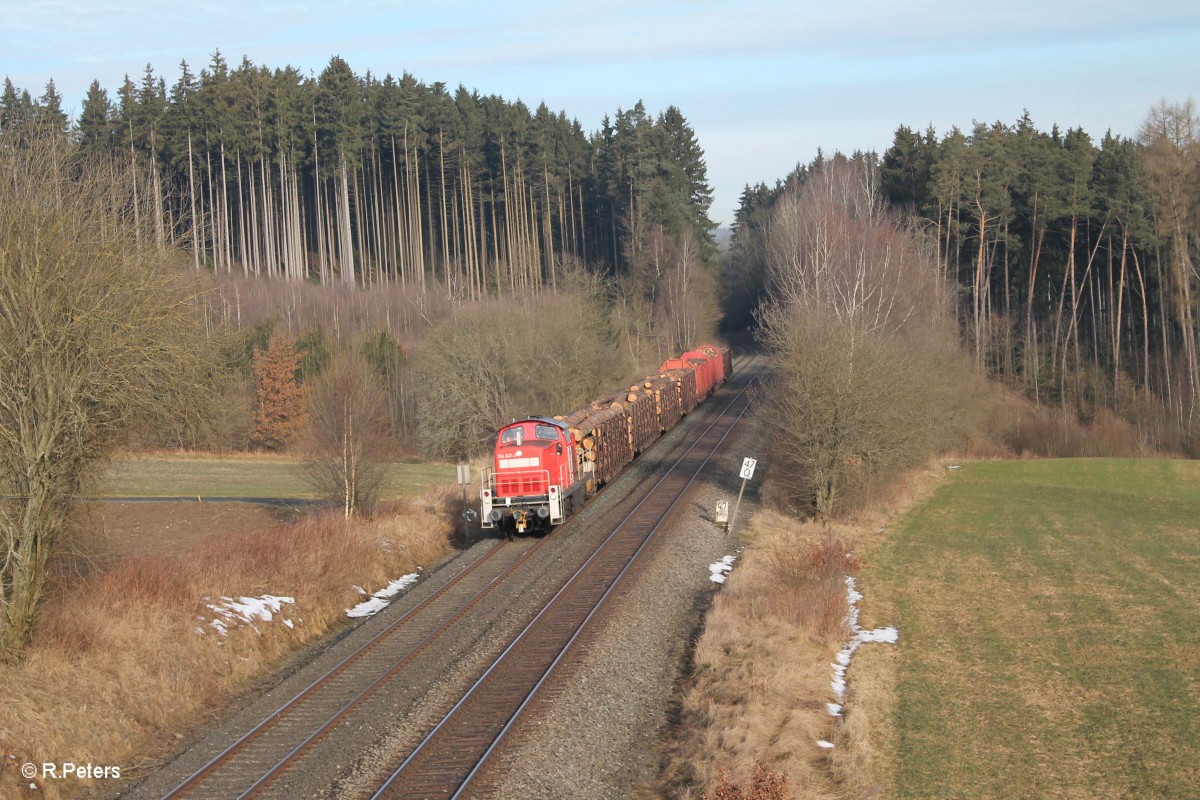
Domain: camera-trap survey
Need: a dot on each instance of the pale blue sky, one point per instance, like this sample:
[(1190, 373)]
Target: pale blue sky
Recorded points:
[(763, 82)]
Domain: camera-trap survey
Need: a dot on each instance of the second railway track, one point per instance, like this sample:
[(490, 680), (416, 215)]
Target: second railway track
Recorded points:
[(447, 760), (248, 765)]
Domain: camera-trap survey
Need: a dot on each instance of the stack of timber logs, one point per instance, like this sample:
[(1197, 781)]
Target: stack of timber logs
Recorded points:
[(666, 399), (603, 438), (641, 417), (685, 384)]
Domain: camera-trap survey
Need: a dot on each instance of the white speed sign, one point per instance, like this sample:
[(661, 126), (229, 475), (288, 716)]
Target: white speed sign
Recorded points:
[(748, 468)]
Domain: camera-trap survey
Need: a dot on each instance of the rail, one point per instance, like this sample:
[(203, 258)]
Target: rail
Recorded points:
[(258, 780), (454, 752)]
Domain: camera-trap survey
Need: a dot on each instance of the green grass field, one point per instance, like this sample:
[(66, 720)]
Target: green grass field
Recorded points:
[(244, 476), (1049, 616)]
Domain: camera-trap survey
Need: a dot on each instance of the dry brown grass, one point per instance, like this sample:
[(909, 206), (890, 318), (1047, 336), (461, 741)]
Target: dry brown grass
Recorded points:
[(117, 673), (755, 705)]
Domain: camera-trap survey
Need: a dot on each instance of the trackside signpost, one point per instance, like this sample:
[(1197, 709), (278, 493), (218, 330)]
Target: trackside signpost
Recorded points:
[(464, 478), (746, 474)]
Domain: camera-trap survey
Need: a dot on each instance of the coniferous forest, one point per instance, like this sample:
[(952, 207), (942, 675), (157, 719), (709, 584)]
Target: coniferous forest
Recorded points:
[(1073, 256), (355, 179), (349, 211)]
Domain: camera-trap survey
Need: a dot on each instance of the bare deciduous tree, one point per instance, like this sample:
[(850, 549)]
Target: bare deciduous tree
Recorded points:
[(869, 372), (673, 291), (543, 354), (1171, 140), (347, 425), (98, 329)]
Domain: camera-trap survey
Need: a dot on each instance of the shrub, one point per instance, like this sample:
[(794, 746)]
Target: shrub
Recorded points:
[(499, 360), (99, 330), (347, 434), (807, 584)]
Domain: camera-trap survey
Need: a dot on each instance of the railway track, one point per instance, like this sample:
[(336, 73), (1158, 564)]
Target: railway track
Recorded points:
[(261, 755), (255, 762), (446, 762)]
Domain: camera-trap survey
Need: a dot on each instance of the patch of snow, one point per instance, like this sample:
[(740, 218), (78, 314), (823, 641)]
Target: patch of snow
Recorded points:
[(858, 637), (721, 569), (825, 744), (244, 611), (379, 601), (889, 635)]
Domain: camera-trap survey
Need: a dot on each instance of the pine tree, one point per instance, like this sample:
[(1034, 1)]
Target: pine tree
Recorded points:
[(50, 114), (95, 122), (16, 107)]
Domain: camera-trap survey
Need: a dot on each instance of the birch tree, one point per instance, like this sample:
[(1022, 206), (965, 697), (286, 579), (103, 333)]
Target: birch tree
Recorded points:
[(347, 448)]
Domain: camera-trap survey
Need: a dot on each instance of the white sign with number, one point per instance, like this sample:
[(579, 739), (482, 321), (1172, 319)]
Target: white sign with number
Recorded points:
[(748, 468)]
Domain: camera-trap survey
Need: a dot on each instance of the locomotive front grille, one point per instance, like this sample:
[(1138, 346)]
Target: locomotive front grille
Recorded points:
[(512, 487), (519, 483)]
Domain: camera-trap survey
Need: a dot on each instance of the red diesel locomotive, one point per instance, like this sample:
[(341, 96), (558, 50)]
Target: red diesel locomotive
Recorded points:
[(544, 469)]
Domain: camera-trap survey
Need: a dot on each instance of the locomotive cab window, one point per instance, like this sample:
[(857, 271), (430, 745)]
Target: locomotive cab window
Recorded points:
[(518, 434)]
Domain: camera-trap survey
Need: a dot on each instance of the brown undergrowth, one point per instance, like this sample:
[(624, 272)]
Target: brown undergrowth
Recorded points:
[(1016, 427), (126, 664), (754, 707)]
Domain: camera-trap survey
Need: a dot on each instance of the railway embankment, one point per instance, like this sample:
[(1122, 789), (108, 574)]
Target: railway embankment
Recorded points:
[(352, 759)]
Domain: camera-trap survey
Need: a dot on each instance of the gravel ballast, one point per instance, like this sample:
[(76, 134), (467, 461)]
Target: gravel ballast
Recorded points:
[(596, 733), (599, 733)]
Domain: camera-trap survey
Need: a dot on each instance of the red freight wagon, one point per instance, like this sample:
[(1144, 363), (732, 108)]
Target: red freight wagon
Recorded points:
[(724, 357), (708, 371)]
